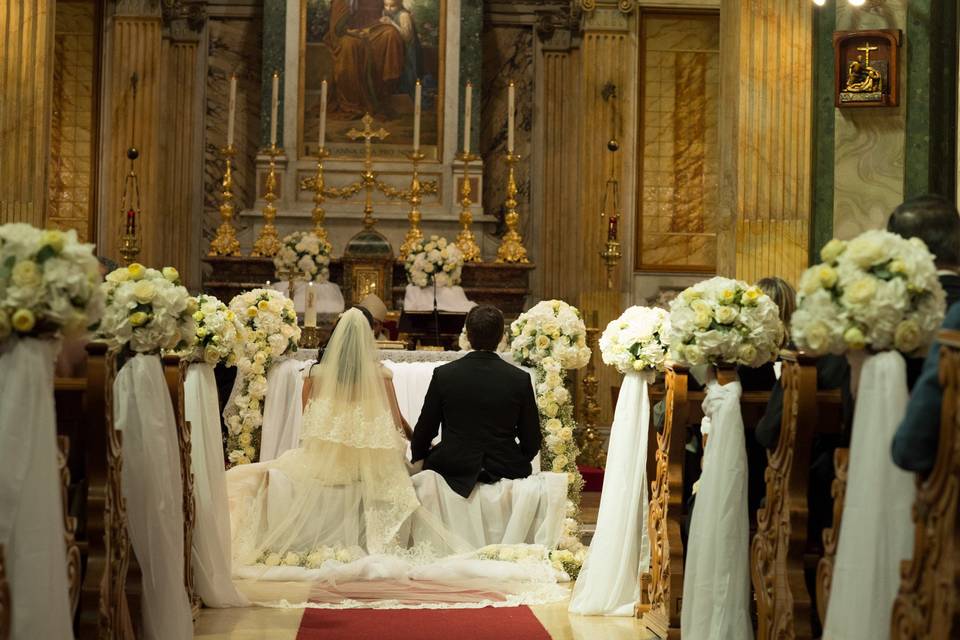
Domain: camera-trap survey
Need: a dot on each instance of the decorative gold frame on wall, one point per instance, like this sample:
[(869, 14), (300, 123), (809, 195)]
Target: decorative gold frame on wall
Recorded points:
[(435, 157)]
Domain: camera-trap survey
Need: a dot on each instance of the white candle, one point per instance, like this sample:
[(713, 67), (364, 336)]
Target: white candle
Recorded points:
[(323, 114), (467, 113), (511, 98), (274, 101), (233, 109), (310, 313), (416, 118)]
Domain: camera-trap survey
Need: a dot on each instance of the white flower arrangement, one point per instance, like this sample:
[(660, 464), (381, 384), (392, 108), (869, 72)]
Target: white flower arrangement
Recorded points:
[(563, 561), (304, 252), (724, 321), (312, 559), (638, 340), (434, 259), (216, 332), (266, 330), (148, 310), (552, 337), (879, 291), (49, 283)]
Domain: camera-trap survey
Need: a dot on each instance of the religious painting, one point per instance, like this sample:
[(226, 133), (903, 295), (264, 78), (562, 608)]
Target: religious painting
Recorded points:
[(866, 68), (372, 52)]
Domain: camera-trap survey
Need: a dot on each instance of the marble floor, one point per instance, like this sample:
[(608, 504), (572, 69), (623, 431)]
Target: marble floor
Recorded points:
[(282, 624)]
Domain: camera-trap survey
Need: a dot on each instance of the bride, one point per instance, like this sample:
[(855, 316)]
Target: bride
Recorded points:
[(341, 510)]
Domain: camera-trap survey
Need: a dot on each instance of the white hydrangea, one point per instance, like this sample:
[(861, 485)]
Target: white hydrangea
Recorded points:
[(434, 259), (638, 340), (878, 291), (216, 332), (551, 329), (304, 252)]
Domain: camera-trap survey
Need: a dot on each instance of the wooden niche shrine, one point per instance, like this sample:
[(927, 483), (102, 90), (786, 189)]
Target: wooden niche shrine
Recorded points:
[(866, 68)]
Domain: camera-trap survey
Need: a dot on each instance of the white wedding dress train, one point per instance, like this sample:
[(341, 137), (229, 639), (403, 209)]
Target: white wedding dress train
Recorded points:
[(609, 583)]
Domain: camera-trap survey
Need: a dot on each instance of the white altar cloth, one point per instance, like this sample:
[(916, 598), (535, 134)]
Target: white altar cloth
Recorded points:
[(329, 296), (451, 299)]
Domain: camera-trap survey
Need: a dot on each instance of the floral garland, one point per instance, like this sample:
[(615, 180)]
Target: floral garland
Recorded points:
[(48, 283), (148, 310), (267, 330), (724, 321), (562, 560), (638, 340), (216, 332), (878, 291), (436, 259), (304, 252), (315, 559), (552, 337)]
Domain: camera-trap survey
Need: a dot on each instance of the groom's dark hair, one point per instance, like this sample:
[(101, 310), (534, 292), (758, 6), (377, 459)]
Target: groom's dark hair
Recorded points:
[(484, 327)]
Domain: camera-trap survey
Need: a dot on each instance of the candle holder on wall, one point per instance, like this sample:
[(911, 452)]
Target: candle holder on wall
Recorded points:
[(130, 238)]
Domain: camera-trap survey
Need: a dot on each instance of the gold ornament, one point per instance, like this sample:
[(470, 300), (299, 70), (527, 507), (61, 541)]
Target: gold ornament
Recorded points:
[(414, 233), (225, 243), (268, 242), (511, 248), (466, 241)]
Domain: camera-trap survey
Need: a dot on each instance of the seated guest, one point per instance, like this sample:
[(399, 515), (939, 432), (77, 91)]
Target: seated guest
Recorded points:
[(915, 443), (936, 221), (491, 425), (378, 311)]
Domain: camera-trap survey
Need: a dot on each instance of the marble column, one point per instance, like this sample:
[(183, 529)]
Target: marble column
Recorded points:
[(132, 78), (765, 138), (26, 89)]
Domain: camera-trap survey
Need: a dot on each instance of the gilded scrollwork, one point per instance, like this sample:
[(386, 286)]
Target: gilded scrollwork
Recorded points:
[(186, 477), (831, 536)]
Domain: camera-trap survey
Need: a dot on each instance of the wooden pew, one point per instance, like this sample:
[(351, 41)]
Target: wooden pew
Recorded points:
[(175, 372), (69, 526), (5, 602), (926, 606), (779, 549), (69, 398)]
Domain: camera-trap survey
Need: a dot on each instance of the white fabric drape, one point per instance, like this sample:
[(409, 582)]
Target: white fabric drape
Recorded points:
[(153, 493), (609, 581), (211, 534), (328, 295), (31, 507), (448, 299), (716, 581), (526, 511), (876, 531), (282, 410)]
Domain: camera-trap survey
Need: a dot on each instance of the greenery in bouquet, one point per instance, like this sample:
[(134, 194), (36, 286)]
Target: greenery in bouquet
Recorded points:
[(724, 322), (879, 292), (267, 331), (49, 283), (638, 340), (216, 332), (148, 310), (432, 260), (304, 252), (551, 337)]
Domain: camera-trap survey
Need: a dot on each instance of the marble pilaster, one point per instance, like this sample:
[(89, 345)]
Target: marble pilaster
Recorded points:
[(26, 89), (765, 138)]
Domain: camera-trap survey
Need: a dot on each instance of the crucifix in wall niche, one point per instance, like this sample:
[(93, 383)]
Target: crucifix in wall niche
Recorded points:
[(866, 68)]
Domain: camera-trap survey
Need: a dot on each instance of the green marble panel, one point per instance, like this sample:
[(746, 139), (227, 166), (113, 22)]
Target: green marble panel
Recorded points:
[(274, 55), (471, 58), (821, 224)]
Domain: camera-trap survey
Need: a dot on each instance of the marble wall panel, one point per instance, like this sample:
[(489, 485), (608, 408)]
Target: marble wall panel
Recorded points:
[(869, 148), (507, 56), (234, 47)]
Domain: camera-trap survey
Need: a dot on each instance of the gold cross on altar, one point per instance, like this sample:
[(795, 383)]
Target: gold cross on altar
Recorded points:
[(367, 177), (866, 48), (368, 133)]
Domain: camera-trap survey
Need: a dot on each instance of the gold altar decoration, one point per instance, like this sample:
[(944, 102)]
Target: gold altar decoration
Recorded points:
[(319, 215), (130, 238), (466, 241), (225, 243), (414, 233), (309, 337), (292, 278), (611, 252), (368, 178), (511, 248), (865, 68), (588, 441), (268, 242)]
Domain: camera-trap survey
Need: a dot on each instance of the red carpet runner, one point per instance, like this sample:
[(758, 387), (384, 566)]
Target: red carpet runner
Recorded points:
[(506, 623)]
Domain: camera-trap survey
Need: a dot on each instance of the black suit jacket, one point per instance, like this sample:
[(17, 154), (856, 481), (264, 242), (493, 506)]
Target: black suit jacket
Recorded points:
[(485, 405)]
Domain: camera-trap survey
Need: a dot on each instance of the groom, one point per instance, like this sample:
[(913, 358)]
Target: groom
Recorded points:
[(486, 406)]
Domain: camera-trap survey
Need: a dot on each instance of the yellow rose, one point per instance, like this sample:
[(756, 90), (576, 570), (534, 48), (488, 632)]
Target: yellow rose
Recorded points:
[(210, 355), (249, 452), (854, 338), (861, 291), (231, 316), (700, 306), (252, 312), (543, 342), (727, 296), (907, 337), (689, 295), (26, 274), (832, 250), (703, 320), (245, 439), (202, 332), (136, 271), (751, 295), (144, 291), (118, 275), (198, 316), (171, 274), (139, 319), (827, 276), (726, 315), (263, 305), (53, 238), (23, 320)]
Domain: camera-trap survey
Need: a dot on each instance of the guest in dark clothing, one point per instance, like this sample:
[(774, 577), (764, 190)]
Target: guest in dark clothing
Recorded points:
[(935, 220), (915, 443)]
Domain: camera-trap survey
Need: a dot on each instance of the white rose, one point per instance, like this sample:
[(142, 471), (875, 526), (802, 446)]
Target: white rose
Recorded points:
[(291, 559), (272, 560)]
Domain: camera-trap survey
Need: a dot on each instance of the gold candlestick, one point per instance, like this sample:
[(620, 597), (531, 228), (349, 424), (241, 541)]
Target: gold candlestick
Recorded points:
[(466, 241), (225, 243), (414, 234), (511, 248), (319, 215), (268, 243)]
